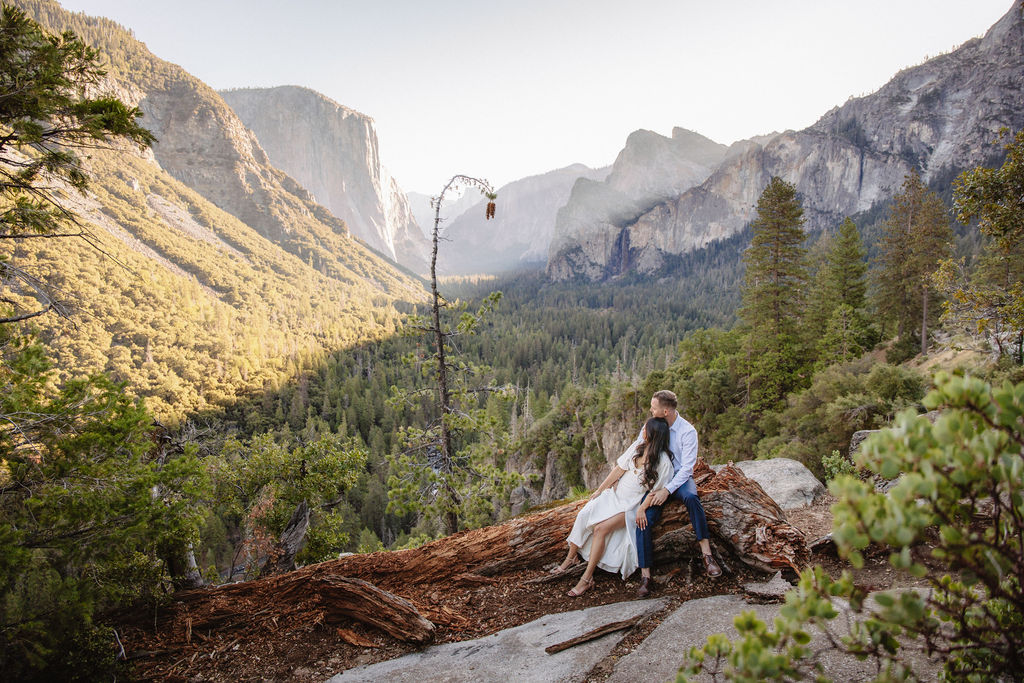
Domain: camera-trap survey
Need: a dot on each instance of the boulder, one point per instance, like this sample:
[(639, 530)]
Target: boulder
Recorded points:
[(857, 439), (788, 482)]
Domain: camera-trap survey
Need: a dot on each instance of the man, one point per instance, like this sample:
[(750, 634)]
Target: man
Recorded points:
[(683, 444)]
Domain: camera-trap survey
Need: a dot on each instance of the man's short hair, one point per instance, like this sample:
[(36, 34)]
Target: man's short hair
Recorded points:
[(666, 398)]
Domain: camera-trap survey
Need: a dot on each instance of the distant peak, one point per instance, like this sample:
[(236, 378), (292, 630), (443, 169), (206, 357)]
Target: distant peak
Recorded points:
[(687, 135)]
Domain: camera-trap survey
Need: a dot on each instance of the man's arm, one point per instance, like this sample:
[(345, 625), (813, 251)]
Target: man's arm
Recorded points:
[(687, 459)]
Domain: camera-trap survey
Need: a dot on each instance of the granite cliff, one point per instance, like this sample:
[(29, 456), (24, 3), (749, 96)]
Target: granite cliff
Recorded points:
[(940, 117), (333, 152), (650, 169)]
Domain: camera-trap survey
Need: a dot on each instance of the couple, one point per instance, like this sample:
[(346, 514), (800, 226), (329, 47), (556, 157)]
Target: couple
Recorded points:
[(613, 530)]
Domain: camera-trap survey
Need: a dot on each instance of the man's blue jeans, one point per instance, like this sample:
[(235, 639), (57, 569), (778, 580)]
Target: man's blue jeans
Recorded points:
[(687, 493)]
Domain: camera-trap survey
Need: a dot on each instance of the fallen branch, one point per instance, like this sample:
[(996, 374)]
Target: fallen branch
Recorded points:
[(594, 634), (353, 638)]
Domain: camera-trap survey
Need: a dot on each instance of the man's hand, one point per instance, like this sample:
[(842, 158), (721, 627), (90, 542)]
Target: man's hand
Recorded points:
[(659, 496)]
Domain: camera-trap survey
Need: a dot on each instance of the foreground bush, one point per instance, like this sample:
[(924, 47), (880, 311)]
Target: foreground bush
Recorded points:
[(968, 465)]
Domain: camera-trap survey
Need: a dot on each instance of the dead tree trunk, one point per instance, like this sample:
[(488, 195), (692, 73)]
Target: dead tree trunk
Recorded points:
[(293, 538), (295, 599), (742, 518)]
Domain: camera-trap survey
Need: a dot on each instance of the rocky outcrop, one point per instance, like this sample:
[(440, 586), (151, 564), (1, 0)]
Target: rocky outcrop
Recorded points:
[(649, 170), (940, 117), (521, 231), (332, 151)]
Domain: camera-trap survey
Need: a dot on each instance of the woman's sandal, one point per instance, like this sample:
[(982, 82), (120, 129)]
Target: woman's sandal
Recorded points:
[(558, 569), (587, 585)]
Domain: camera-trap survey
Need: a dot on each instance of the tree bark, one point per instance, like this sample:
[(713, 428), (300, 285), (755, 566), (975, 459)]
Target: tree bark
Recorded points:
[(924, 320), (182, 567), (293, 600), (293, 538)]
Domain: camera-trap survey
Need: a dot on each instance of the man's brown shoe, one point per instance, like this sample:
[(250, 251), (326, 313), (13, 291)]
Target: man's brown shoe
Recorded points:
[(711, 566), (645, 588)]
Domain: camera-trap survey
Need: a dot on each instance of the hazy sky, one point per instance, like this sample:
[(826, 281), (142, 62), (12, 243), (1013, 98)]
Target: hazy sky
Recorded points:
[(509, 88)]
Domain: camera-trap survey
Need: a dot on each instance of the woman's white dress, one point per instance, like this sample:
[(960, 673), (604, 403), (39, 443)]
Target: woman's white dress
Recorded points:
[(624, 497)]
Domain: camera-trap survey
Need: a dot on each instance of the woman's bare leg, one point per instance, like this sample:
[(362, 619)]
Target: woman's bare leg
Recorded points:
[(570, 558), (601, 532)]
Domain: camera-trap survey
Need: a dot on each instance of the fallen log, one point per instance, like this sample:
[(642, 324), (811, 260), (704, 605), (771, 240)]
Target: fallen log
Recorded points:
[(743, 521), (297, 600), (742, 518)]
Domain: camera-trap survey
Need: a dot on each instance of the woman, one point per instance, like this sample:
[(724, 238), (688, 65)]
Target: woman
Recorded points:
[(603, 533)]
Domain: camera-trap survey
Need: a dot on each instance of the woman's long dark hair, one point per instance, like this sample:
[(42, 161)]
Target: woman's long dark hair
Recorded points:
[(657, 433)]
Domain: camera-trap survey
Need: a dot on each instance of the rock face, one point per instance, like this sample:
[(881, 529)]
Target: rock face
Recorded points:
[(333, 152), (520, 233), (649, 170), (203, 144), (940, 117)]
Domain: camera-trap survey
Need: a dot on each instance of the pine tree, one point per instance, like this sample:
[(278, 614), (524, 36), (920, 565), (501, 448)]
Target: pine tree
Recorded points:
[(916, 237), (847, 335), (47, 119), (993, 299), (835, 323), (847, 267), (86, 508), (445, 472), (773, 294)]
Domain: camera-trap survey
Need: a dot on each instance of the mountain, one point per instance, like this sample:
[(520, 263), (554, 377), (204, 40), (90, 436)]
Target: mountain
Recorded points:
[(650, 169), (333, 152), (520, 232), (227, 279), (940, 117)]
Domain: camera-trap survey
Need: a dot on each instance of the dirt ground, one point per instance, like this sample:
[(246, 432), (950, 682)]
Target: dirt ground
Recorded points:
[(316, 651)]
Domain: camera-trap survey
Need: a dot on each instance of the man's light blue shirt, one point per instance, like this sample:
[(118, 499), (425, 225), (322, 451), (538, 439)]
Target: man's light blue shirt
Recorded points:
[(682, 441)]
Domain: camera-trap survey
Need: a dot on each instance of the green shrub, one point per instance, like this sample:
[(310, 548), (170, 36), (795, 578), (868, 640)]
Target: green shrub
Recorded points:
[(836, 465), (972, 619)]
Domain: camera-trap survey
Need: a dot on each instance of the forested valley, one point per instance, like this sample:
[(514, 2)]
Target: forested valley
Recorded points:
[(179, 436)]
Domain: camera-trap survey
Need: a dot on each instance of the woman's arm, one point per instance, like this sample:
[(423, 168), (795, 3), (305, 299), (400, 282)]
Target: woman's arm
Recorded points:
[(641, 512), (608, 482), (665, 473)]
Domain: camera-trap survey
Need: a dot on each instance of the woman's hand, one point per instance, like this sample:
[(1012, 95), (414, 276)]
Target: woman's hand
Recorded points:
[(597, 492), (641, 518)]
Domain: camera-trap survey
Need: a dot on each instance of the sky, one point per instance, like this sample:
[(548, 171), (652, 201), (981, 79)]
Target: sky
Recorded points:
[(506, 89)]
